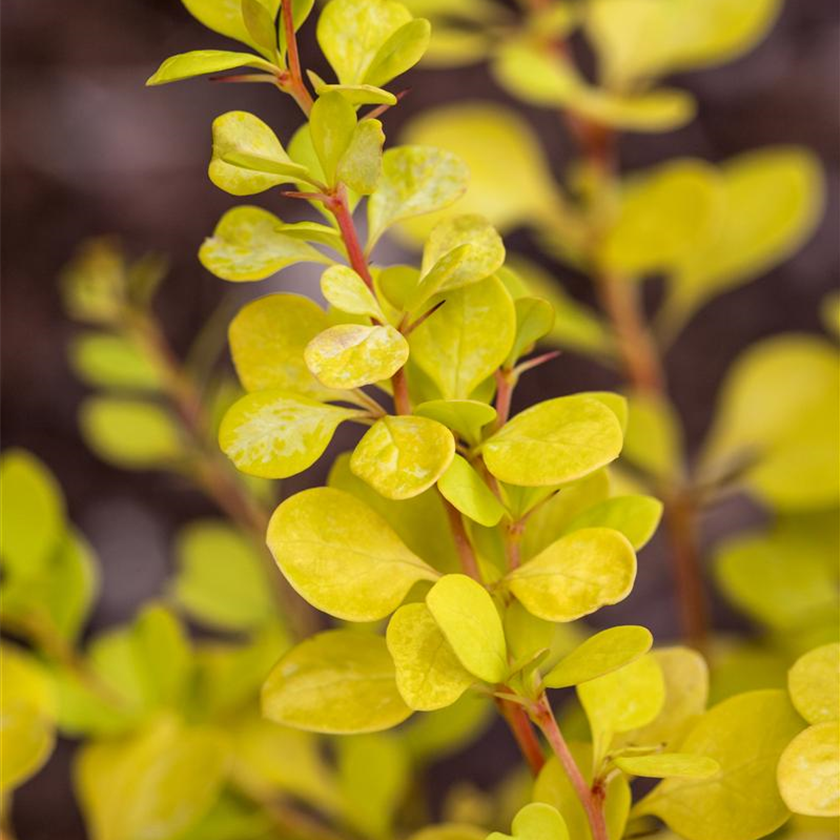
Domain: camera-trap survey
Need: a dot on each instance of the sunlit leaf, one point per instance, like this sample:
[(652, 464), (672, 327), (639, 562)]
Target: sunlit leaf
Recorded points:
[(249, 244), (465, 417), (464, 488), (554, 442), (402, 456), (814, 684), (275, 434), (350, 355), (600, 654), (809, 771), (469, 620), (247, 156), (340, 681), (624, 699), (576, 575), (200, 62), (267, 340), (361, 164), (415, 180), (403, 49), (429, 675), (746, 735), (668, 765), (342, 556), (464, 341), (535, 821), (637, 517)]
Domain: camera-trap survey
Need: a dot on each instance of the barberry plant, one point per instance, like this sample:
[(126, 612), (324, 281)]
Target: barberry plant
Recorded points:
[(455, 548)]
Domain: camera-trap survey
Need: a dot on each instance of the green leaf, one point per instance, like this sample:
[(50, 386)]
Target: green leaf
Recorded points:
[(535, 821), (402, 456), (345, 290), (275, 434), (158, 783), (403, 49), (420, 522), (373, 775), (624, 699), (576, 575), (220, 579), (465, 489), (341, 556), (600, 654), (637, 517), (267, 340), (785, 578), (464, 341), (639, 38), (247, 156), (104, 360), (686, 677), (331, 126), (225, 16), (814, 684), (131, 434), (350, 355), (534, 320), (27, 715), (475, 132), (446, 732), (553, 787), (746, 735), (361, 164), (465, 417), (200, 62), (31, 511), (459, 251), (663, 214), (469, 620), (339, 681), (354, 94), (249, 244), (529, 72), (351, 35), (669, 765), (809, 771), (576, 326), (260, 24), (429, 675), (771, 202), (554, 442), (415, 180), (777, 414)]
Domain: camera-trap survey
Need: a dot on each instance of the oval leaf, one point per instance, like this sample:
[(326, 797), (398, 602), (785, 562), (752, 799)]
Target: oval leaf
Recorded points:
[(814, 684), (464, 488), (666, 765), (400, 457), (340, 681), (809, 771), (341, 556)]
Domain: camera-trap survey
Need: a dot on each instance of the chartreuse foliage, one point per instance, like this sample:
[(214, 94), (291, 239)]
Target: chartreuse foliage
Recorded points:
[(458, 542)]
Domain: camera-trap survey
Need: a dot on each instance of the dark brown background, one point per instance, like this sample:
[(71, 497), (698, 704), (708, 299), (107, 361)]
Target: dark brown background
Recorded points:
[(88, 150)]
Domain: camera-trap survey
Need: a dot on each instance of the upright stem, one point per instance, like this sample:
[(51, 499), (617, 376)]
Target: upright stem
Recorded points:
[(295, 86), (504, 395), (520, 725), (466, 555), (590, 799)]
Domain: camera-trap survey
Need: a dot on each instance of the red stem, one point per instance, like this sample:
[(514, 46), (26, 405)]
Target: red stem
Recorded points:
[(339, 208), (296, 86), (520, 725), (462, 542), (590, 799), (504, 393)]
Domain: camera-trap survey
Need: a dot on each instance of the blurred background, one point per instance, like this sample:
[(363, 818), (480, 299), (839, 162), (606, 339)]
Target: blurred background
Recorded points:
[(87, 150)]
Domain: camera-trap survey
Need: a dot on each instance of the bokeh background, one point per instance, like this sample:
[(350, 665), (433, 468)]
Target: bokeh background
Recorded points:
[(87, 150)]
